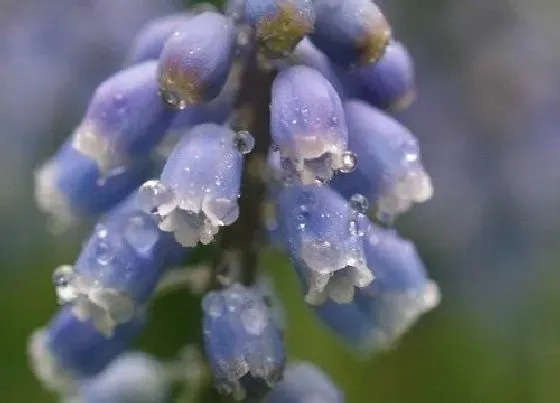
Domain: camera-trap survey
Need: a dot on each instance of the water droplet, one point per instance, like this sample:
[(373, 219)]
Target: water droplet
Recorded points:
[(155, 197), (120, 105), (62, 275), (104, 253), (244, 142), (359, 203), (411, 157), (349, 161), (411, 153), (140, 233), (62, 278), (172, 100), (254, 319), (101, 231)]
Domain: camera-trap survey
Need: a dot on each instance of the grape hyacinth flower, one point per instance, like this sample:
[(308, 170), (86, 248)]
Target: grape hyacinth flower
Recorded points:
[(383, 311), (151, 39), (199, 185), (131, 377), (70, 348), (389, 173), (204, 139), (388, 83), (323, 238), (118, 267), (305, 383), (307, 124), (125, 119), (70, 185), (350, 32), (242, 341), (279, 24), (196, 59)]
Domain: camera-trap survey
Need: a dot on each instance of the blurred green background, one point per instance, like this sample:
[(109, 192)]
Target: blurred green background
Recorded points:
[(487, 119)]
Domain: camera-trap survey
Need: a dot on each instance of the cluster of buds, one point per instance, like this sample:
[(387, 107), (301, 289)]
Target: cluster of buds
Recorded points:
[(186, 145)]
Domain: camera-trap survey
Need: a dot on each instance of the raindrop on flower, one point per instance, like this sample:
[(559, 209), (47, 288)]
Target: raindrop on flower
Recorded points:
[(254, 319), (101, 231), (244, 141), (62, 278), (155, 197), (104, 253), (140, 233), (172, 100), (349, 162), (359, 203)]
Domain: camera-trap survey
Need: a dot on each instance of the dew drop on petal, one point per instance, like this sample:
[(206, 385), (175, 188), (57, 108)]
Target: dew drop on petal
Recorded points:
[(359, 203), (140, 233), (349, 162), (101, 231), (244, 141), (254, 319), (155, 197), (121, 106), (172, 100), (62, 278), (104, 253)]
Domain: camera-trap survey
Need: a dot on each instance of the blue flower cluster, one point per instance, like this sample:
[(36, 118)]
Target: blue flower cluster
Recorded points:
[(333, 162)]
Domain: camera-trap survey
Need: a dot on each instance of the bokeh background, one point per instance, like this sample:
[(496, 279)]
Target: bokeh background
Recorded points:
[(488, 120)]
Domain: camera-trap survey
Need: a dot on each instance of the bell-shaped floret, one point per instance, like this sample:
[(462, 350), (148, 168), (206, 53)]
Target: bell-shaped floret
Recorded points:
[(196, 59), (151, 38), (307, 124), (69, 348), (125, 119), (389, 170), (350, 32), (70, 185), (388, 83), (323, 234), (118, 267), (242, 341), (382, 312), (200, 184)]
